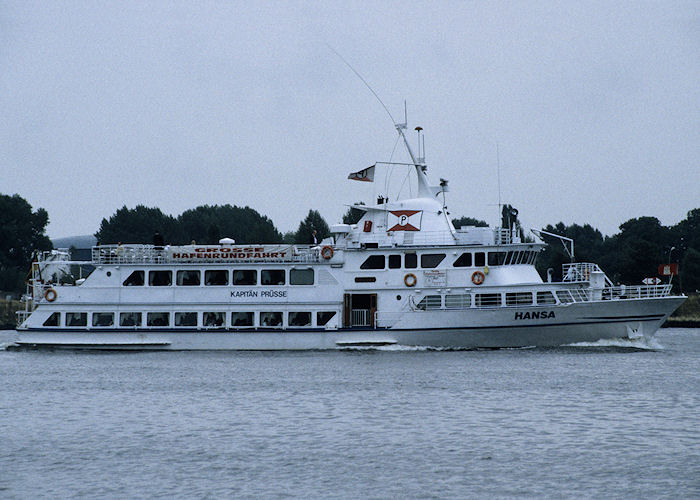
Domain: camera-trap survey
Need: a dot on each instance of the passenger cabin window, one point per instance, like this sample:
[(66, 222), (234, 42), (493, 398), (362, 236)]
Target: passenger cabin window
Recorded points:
[(137, 278), (102, 319), (185, 319), (394, 261), (271, 319), (158, 319), (411, 261), (458, 301), (545, 298), (518, 298), (323, 317), (487, 299), (464, 260), (430, 260), (241, 319), (130, 319), (188, 278), (243, 277), (53, 320), (272, 277), (430, 302), (373, 262), (76, 319), (300, 318), (301, 277), (217, 277), (497, 258), (160, 278), (214, 319), (479, 259)]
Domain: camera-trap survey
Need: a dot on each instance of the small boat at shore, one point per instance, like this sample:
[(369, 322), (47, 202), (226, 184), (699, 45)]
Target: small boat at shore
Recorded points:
[(403, 275)]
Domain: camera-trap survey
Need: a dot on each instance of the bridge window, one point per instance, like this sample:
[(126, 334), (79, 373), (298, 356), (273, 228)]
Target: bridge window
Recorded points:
[(301, 277), (76, 319), (497, 258), (300, 318), (185, 319), (323, 317), (245, 277), (214, 319), (411, 261), (130, 319), (464, 260), (188, 278), (373, 262), (240, 319), (271, 319), (102, 319), (53, 320), (430, 260), (158, 319), (216, 277), (137, 278), (395, 261), (272, 277), (479, 259), (160, 278)]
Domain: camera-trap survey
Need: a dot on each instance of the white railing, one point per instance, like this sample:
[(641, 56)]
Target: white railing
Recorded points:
[(497, 236), (636, 292), (360, 317), (580, 271)]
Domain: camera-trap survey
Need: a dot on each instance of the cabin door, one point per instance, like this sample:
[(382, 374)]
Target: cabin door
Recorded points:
[(359, 310)]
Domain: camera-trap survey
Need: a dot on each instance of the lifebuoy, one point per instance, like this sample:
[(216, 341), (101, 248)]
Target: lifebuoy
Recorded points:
[(478, 277), (327, 252), (50, 295), (410, 279)]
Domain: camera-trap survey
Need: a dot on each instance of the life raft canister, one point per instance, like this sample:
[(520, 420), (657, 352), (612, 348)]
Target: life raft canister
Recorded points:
[(50, 295), (410, 280), (478, 277), (327, 252)]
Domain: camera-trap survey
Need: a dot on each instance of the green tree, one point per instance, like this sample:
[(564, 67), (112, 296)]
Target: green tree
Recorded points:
[(207, 224), (353, 215), (468, 221), (21, 232), (138, 225), (690, 271), (313, 221)]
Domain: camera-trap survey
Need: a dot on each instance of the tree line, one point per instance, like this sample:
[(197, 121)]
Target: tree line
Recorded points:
[(627, 257)]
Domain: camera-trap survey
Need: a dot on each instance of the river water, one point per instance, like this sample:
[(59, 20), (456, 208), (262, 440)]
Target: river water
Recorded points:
[(619, 420)]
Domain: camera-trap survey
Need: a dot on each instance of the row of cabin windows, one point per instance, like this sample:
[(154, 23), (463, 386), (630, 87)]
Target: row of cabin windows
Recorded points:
[(432, 260), (461, 301), (214, 319), (221, 277)]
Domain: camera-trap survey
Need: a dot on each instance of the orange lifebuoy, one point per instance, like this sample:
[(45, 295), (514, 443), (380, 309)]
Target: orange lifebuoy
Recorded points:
[(410, 280), (478, 277), (50, 295), (327, 252)]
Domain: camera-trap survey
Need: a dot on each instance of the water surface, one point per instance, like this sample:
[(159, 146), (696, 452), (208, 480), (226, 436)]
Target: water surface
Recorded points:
[(620, 420)]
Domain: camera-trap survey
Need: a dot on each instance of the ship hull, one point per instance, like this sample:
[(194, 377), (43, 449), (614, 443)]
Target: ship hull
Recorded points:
[(452, 329)]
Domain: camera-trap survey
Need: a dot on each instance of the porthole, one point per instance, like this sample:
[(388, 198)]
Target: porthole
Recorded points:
[(109, 273), (398, 297)]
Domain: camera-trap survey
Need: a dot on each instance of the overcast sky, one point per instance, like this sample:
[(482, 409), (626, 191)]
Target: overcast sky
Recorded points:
[(594, 106)]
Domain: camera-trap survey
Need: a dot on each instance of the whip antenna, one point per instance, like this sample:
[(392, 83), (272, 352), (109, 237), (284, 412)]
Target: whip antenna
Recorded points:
[(363, 81)]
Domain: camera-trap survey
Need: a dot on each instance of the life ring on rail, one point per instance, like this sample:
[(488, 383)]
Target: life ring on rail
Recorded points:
[(410, 280), (478, 277), (50, 295), (327, 252)]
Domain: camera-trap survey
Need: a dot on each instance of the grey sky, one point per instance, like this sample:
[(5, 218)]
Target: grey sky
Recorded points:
[(594, 105)]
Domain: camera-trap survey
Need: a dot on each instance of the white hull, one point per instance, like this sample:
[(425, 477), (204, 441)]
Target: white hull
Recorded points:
[(463, 329)]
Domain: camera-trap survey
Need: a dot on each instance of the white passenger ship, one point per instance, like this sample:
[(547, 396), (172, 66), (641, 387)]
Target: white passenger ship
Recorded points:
[(403, 275)]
